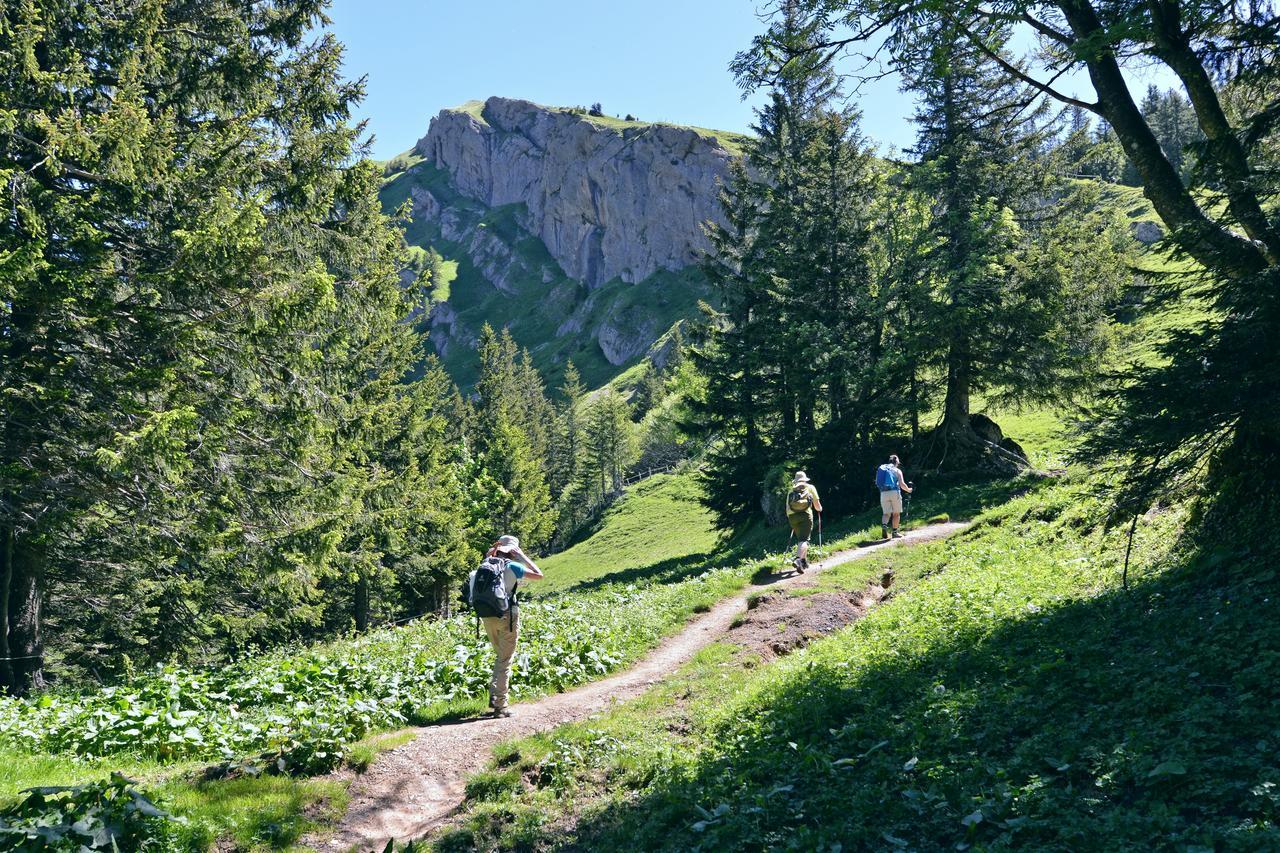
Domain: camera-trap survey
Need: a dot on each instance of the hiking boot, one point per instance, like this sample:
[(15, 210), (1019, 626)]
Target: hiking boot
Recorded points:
[(499, 713), (884, 531), (801, 565), (896, 534)]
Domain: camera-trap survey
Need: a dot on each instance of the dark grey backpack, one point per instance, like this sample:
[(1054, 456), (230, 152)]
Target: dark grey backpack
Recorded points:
[(486, 590)]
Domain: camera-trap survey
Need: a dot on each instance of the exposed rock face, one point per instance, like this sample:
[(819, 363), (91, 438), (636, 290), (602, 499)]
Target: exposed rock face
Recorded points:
[(607, 203)]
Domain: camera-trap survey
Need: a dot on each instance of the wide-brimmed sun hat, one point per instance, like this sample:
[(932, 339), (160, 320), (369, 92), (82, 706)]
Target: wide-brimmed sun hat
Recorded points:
[(801, 477), (508, 543)]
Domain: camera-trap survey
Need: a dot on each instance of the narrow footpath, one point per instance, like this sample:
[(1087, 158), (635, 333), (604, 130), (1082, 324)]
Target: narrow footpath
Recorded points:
[(414, 788)]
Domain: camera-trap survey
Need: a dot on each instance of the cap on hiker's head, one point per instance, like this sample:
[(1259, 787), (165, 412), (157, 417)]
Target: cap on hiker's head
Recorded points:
[(801, 477), (508, 543), (893, 458)]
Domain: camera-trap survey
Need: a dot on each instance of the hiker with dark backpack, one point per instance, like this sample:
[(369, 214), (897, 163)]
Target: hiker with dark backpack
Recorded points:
[(802, 502), (491, 592), (892, 484)]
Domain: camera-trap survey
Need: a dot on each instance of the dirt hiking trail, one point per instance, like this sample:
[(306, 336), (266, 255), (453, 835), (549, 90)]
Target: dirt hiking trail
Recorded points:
[(413, 788)]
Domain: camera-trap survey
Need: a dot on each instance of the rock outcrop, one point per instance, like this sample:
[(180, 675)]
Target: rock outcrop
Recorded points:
[(607, 202), (1147, 231)]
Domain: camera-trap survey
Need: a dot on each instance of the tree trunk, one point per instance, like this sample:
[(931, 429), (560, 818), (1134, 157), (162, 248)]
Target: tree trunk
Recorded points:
[(807, 425), (361, 604), (6, 580), (25, 571), (1208, 242), (915, 405), (955, 410), (1174, 48)]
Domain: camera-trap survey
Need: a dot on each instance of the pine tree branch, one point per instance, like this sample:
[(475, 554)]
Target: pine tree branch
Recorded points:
[(1016, 72)]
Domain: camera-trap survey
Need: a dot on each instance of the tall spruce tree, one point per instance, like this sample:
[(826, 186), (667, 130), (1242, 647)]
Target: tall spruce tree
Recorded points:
[(567, 452), (1004, 326), (511, 417), (520, 504), (609, 443), (795, 361)]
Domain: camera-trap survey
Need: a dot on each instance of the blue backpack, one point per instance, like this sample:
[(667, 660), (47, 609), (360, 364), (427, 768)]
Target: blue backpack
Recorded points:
[(886, 480)]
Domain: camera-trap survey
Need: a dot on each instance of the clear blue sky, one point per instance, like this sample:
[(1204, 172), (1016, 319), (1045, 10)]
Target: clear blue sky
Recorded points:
[(662, 60)]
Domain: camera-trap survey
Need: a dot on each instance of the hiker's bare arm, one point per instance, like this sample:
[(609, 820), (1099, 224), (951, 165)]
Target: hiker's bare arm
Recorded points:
[(902, 483), (531, 569), (817, 504)]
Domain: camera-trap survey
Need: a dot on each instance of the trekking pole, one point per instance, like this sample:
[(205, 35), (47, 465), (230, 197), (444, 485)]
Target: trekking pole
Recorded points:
[(819, 530), (906, 506)]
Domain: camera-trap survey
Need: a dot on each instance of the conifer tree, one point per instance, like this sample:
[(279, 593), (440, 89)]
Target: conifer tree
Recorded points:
[(521, 503), (1001, 323), (202, 336), (794, 361), (1210, 398), (536, 414), (609, 443), (568, 447), (739, 357), (509, 406)]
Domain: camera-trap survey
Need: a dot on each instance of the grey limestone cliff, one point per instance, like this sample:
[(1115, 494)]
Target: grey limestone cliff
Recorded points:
[(608, 200)]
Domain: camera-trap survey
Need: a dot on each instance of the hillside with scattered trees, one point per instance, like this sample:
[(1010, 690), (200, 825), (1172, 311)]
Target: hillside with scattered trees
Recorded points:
[(265, 403)]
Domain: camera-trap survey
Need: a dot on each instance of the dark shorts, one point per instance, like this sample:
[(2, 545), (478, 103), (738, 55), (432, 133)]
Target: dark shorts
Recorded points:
[(801, 524)]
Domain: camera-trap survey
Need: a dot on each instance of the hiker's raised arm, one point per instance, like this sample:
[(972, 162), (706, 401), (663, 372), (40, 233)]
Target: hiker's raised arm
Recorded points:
[(531, 570), (902, 480)]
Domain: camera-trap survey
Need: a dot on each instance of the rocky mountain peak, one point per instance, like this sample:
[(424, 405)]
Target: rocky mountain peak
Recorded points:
[(608, 198)]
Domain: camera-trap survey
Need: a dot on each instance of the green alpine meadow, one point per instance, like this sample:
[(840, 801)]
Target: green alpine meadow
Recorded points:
[(896, 467)]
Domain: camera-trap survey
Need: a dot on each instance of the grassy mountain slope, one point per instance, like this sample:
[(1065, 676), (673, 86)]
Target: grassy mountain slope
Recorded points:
[(1010, 694), (659, 520)]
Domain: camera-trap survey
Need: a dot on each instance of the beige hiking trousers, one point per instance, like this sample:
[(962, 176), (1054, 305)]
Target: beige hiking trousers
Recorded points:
[(503, 632)]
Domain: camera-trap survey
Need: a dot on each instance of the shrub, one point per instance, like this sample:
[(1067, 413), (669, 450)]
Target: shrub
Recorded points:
[(106, 815)]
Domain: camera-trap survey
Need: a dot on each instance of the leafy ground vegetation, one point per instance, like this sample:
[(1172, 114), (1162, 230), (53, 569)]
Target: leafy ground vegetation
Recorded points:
[(1012, 694)]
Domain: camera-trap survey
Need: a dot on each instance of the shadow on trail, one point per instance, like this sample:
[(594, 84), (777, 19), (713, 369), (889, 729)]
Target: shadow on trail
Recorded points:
[(1122, 722), (766, 576)]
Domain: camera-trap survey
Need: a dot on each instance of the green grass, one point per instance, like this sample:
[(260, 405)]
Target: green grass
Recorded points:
[(659, 533), (656, 561), (400, 163), (258, 813), (20, 770), (1010, 694), (475, 109), (657, 520), (363, 753)]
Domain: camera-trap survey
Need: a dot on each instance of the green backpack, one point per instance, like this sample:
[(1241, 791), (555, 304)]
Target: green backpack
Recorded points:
[(799, 500)]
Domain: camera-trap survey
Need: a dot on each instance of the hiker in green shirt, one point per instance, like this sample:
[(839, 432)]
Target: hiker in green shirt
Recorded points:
[(802, 501)]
